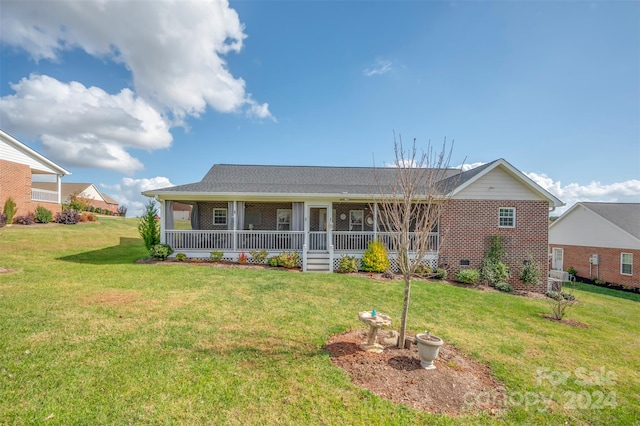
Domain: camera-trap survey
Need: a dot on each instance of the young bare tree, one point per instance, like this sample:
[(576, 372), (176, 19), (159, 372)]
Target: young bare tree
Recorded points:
[(410, 199)]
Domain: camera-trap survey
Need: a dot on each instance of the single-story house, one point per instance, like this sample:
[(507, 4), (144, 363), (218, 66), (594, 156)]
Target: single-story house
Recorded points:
[(88, 191), (18, 165), (326, 212), (600, 241)]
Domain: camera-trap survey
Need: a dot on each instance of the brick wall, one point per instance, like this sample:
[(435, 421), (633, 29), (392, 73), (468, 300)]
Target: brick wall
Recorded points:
[(608, 269), (15, 182), (467, 225)]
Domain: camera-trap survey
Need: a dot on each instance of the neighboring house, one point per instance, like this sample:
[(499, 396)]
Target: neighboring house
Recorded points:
[(327, 212), (88, 191), (18, 165), (599, 240), (181, 211)]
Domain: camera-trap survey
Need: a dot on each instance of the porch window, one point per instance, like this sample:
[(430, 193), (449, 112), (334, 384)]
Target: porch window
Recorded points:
[(356, 220), (507, 217), (219, 216), (626, 263), (284, 219)]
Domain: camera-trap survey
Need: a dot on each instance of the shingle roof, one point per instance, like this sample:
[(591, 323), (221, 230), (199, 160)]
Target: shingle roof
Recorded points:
[(227, 178), (626, 216)]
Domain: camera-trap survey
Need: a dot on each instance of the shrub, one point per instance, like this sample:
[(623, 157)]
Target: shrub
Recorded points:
[(375, 258), (530, 274), (43, 215), (506, 287), (27, 219), (122, 211), (467, 276), (3, 220), (68, 217), (149, 225), (559, 303), (10, 209), (572, 271), (215, 256), (160, 251), (560, 295), (258, 256), (79, 203), (347, 264), (423, 270), (273, 261), (87, 217), (289, 260), (440, 273), (181, 257), (494, 271), (242, 257)]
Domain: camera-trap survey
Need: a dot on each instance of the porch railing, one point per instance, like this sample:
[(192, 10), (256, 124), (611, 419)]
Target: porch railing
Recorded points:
[(44, 195), (234, 241), (343, 241)]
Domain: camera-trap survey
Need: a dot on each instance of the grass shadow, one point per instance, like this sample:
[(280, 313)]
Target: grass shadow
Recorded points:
[(128, 251), (606, 291)]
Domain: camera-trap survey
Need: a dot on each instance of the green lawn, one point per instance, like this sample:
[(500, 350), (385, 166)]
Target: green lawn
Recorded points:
[(89, 337)]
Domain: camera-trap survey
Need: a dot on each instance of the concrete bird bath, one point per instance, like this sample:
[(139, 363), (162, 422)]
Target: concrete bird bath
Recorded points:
[(375, 322)]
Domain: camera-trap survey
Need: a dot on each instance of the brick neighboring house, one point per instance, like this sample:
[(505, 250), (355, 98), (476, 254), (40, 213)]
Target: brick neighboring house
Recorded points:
[(327, 212), (599, 240), (18, 165), (87, 191)]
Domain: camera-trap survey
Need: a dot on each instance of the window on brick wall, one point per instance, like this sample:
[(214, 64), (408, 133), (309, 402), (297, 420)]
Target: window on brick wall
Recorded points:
[(626, 263), (219, 216), (507, 217)]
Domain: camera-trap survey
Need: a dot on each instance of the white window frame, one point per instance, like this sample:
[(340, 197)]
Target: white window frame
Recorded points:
[(283, 217), (226, 216), (354, 221), (501, 217), (623, 263)]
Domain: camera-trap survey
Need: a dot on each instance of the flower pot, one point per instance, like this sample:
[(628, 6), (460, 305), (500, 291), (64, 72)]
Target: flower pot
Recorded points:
[(428, 348)]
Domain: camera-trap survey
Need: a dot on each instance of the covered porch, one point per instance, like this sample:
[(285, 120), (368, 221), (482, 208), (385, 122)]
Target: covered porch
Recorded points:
[(321, 232)]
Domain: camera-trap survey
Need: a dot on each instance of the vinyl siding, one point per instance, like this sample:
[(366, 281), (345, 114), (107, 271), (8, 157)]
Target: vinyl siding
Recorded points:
[(14, 155), (497, 185)]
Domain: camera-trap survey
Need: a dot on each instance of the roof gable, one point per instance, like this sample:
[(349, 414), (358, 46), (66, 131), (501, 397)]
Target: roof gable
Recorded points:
[(13, 150)]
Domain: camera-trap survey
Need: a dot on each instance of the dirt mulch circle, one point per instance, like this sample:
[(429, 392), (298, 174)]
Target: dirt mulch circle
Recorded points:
[(5, 271), (458, 385), (565, 321)]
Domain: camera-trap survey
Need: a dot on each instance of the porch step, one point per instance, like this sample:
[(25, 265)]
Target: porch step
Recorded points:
[(318, 262)]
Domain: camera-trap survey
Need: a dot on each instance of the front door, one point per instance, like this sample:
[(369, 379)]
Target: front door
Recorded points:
[(318, 232), (557, 259)]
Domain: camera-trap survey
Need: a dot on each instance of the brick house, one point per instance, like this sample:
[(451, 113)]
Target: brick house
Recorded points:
[(326, 212), (88, 191), (599, 240), (18, 165)]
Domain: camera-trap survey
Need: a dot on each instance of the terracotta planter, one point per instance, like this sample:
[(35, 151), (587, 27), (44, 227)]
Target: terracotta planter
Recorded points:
[(428, 349)]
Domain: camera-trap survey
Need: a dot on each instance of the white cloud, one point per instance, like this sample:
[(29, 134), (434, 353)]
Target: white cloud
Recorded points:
[(173, 49), (84, 126), (464, 167), (380, 67), (128, 192), (619, 192)]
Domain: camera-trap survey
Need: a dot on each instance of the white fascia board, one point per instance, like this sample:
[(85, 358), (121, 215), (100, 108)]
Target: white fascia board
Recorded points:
[(516, 174), (30, 152)]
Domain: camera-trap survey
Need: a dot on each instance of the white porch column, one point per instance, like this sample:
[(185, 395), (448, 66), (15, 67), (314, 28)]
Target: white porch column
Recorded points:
[(235, 226), (163, 239), (59, 186), (375, 221)]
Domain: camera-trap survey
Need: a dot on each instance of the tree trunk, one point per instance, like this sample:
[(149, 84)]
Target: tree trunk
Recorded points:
[(405, 311)]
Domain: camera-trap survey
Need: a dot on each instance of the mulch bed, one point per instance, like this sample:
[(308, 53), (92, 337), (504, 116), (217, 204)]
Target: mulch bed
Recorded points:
[(565, 321), (458, 385)]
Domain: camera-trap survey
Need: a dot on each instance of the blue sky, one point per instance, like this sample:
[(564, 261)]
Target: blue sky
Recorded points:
[(132, 95)]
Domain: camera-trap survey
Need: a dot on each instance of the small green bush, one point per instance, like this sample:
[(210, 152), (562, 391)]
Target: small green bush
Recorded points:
[(215, 256), (273, 261), (494, 271), (423, 270), (560, 295), (530, 274), (467, 276), (289, 260), (43, 215), (347, 264), (375, 258), (506, 287), (440, 273), (10, 209), (258, 256), (572, 271), (160, 251), (181, 257)]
